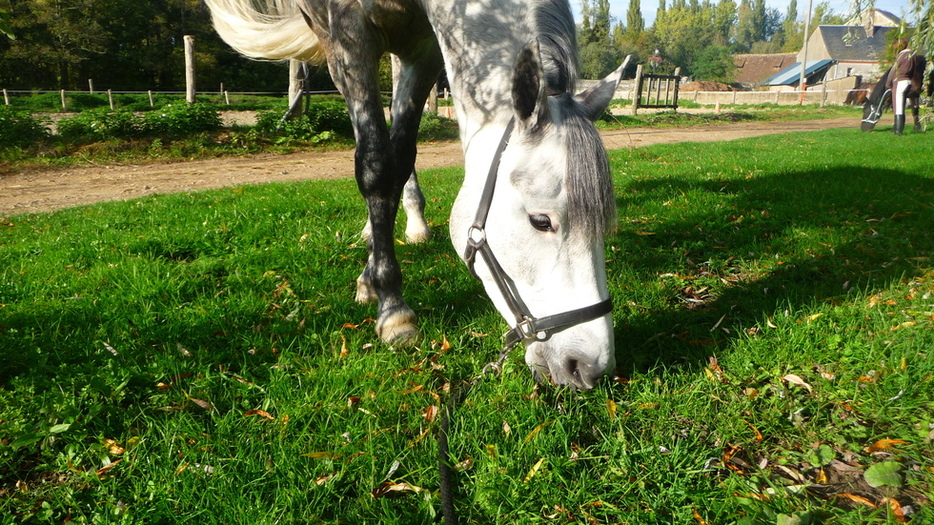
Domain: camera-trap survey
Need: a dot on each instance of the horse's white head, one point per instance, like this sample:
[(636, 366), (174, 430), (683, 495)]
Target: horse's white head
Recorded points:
[(552, 204)]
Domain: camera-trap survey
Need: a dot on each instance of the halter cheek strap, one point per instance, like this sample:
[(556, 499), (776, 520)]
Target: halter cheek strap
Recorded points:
[(528, 327)]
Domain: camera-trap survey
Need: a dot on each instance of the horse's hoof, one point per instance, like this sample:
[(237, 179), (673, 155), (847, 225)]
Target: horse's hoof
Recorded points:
[(418, 237), (417, 230), (398, 327), (365, 292)]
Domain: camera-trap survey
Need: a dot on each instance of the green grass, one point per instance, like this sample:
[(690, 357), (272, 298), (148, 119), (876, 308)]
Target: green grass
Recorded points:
[(730, 114), (198, 357)]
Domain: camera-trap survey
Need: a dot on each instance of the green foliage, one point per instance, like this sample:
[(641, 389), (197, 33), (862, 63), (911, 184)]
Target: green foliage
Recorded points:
[(435, 127), (714, 63), (19, 129), (320, 121), (100, 124), (598, 60), (171, 119), (886, 473), (182, 119)]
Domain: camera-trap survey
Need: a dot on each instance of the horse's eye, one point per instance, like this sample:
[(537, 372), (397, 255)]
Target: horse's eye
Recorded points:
[(541, 223)]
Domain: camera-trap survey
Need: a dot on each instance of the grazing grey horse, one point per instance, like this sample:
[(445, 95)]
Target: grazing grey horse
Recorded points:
[(537, 197)]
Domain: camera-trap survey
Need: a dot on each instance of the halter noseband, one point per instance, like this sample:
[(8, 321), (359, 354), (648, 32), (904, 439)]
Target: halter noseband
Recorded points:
[(527, 326)]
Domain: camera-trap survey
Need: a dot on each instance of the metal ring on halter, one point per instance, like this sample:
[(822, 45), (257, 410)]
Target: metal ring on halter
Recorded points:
[(528, 331), (476, 229)]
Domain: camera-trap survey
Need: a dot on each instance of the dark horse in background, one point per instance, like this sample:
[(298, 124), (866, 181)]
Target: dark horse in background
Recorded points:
[(881, 96)]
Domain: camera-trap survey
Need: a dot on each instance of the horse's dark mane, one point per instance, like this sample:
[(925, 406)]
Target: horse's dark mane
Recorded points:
[(591, 198)]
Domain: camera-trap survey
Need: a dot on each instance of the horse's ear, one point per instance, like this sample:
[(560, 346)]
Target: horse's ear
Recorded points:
[(529, 94), (595, 100)]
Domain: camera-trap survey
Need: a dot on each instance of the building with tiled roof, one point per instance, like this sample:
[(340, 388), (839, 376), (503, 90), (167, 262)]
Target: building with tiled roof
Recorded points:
[(753, 70), (855, 50)]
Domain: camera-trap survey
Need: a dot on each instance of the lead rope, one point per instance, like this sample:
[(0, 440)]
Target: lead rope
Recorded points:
[(457, 394)]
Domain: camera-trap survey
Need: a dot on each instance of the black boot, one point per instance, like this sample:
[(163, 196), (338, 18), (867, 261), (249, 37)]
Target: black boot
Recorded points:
[(899, 124)]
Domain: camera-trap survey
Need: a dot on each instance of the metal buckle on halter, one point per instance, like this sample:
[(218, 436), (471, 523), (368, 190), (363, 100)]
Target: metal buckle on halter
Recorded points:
[(527, 331), (473, 246)]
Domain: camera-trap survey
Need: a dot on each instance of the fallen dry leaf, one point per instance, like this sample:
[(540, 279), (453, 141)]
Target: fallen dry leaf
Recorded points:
[(389, 488), (204, 405), (113, 447), (884, 444), (106, 468), (324, 479), (755, 430), (796, 380), (534, 470), (467, 464), (535, 431), (896, 509), (344, 350), (260, 413), (855, 498), (321, 455)]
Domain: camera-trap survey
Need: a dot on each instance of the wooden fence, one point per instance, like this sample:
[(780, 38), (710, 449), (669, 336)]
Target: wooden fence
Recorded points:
[(655, 91)]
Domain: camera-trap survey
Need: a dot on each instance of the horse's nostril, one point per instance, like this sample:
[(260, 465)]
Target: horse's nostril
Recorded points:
[(580, 374)]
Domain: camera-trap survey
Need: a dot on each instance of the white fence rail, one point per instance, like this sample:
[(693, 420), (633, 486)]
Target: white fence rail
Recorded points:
[(8, 94)]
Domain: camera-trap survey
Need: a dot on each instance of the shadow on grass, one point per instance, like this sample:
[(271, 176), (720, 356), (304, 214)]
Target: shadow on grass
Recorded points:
[(780, 242)]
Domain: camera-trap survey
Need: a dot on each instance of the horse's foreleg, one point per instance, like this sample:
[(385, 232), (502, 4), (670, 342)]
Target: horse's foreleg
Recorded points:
[(916, 111), (413, 201), (380, 175)]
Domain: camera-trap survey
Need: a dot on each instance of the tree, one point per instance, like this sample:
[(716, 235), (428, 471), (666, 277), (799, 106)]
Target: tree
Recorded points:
[(634, 21), (714, 63), (69, 35), (682, 33), (595, 22), (750, 23), (5, 28), (923, 12), (124, 45), (788, 33), (598, 56), (724, 17)]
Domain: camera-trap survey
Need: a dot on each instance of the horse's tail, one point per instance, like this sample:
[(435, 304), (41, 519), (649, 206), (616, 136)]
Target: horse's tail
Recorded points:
[(277, 32)]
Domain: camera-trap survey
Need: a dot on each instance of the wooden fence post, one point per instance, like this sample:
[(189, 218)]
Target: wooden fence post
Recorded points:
[(189, 69), (150, 99), (433, 99), (64, 108), (674, 100), (110, 99), (6, 97), (637, 89), (91, 86)]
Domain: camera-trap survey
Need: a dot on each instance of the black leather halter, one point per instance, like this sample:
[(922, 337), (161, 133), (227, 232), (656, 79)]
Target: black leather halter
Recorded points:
[(528, 327)]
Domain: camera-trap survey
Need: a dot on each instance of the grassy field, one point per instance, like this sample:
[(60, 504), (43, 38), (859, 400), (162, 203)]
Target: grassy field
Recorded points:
[(198, 358)]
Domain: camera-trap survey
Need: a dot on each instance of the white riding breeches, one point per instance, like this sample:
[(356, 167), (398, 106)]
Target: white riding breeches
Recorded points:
[(898, 96)]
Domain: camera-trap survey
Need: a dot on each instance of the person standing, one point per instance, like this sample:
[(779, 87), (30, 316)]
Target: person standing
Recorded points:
[(899, 81)]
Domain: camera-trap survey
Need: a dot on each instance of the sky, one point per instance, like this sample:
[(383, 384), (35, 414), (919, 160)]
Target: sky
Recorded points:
[(618, 7)]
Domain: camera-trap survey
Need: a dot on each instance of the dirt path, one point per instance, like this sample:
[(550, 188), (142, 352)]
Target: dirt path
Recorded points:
[(39, 191)]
